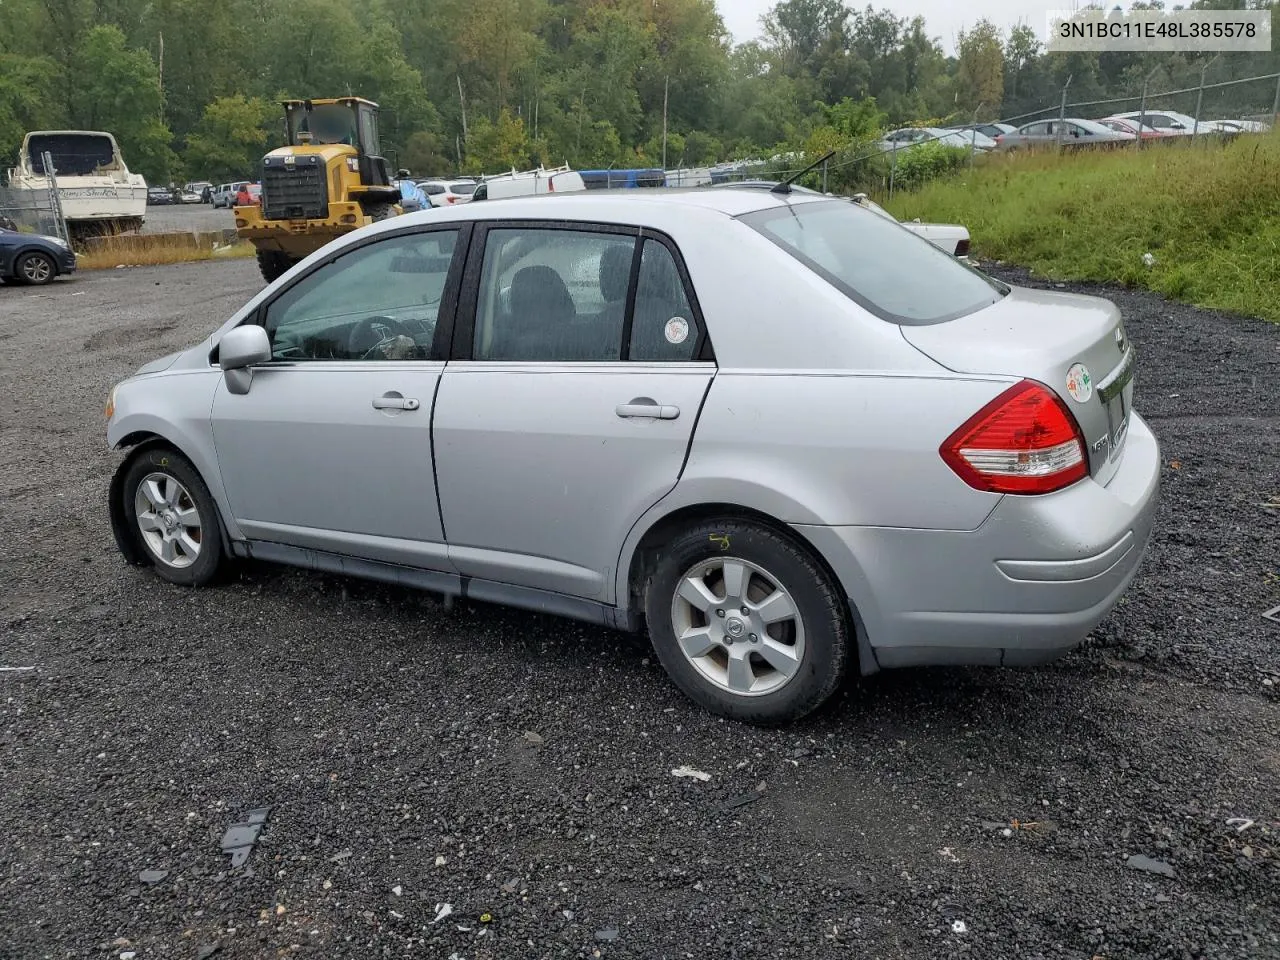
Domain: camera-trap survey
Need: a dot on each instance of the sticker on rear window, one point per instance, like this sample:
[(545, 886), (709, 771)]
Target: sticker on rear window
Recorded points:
[(1079, 383), (677, 330)]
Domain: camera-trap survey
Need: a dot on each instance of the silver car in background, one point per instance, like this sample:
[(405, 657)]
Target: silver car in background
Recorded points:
[(781, 432), (1069, 134)]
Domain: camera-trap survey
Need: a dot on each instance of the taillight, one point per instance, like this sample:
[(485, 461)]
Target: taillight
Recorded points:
[(449, 198), (1024, 441)]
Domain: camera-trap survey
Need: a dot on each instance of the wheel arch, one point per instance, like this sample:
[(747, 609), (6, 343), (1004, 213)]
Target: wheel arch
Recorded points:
[(137, 443), (639, 565)]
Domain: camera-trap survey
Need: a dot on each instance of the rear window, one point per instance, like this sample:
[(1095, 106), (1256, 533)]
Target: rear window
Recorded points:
[(463, 189), (876, 262)]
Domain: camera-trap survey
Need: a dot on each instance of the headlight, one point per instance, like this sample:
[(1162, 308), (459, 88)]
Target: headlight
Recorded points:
[(111, 402)]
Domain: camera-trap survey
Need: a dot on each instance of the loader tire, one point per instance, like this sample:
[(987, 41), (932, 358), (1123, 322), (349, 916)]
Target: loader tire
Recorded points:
[(380, 211), (274, 264)]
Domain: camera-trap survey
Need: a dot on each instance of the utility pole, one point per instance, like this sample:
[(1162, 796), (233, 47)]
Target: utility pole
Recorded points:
[(462, 99), (666, 90), (162, 76)]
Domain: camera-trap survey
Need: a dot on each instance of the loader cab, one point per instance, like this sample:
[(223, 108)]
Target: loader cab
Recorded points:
[(349, 121)]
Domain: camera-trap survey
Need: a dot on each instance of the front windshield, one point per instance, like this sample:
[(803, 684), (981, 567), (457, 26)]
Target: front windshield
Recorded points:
[(876, 262), (329, 123), (74, 154)]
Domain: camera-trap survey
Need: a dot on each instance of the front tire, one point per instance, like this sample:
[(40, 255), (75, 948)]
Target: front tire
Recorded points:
[(172, 517), (273, 265), (35, 269), (747, 623)]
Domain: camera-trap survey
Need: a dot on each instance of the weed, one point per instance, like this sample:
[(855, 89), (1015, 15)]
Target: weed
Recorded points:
[(1208, 213)]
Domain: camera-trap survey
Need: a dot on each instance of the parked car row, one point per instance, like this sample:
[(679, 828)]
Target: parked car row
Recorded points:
[(1068, 132)]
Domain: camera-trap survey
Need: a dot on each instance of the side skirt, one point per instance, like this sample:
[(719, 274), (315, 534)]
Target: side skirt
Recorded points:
[(447, 584)]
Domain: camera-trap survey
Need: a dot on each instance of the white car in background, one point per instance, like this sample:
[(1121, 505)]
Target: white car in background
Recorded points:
[(1168, 122), (448, 193), (907, 137), (952, 238)]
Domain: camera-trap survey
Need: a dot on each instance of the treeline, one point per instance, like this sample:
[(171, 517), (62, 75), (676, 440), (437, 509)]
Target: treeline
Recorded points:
[(189, 87)]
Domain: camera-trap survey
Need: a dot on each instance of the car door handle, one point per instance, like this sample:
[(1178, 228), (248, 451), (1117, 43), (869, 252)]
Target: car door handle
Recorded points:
[(393, 401), (644, 408)]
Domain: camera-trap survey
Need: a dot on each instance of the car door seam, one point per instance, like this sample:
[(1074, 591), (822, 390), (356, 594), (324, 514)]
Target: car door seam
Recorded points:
[(435, 469)]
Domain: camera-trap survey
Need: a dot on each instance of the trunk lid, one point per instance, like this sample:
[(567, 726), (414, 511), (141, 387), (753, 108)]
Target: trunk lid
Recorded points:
[(1075, 345)]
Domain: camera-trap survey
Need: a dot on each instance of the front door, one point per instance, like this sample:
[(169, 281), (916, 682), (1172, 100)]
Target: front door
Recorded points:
[(331, 447), (571, 409)]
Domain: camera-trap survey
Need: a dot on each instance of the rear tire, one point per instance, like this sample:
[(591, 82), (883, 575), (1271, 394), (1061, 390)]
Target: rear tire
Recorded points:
[(273, 264), (35, 269), (172, 518), (747, 623)]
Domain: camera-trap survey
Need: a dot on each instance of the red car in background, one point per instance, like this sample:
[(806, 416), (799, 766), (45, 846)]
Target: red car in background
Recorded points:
[(1125, 125), (249, 194)]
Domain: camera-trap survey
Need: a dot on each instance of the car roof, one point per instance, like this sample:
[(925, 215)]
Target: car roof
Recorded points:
[(613, 205)]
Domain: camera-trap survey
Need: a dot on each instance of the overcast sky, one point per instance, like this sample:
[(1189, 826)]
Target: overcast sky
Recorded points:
[(944, 18)]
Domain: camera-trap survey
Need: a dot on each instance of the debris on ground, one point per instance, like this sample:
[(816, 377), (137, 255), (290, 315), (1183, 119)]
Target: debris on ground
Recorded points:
[(442, 910), (340, 856), (688, 772), (240, 837), (152, 876), (1142, 862), (534, 739), (207, 950), (608, 933)]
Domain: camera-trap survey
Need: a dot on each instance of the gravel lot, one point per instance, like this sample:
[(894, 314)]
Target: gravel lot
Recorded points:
[(519, 768)]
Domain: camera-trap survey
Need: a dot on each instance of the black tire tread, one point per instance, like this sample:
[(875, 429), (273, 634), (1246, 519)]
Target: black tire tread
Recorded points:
[(18, 265), (160, 457), (831, 622)]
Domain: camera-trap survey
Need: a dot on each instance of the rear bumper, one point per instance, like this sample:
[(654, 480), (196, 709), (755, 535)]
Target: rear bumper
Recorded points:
[(1025, 587)]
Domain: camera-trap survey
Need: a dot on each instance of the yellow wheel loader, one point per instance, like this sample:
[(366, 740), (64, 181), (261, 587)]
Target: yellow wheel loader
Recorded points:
[(330, 179)]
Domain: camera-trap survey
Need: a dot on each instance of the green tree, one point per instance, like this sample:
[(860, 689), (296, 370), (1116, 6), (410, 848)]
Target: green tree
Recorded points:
[(117, 89), (980, 72), (230, 139)]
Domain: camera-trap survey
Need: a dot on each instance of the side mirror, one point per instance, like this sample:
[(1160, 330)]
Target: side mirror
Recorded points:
[(238, 351), (1178, 126)]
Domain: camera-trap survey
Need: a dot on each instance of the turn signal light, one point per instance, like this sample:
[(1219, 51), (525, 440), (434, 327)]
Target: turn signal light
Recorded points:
[(1025, 441)]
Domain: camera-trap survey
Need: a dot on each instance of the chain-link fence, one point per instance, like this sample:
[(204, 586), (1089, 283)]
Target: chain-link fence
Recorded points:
[(1206, 113), (34, 205)]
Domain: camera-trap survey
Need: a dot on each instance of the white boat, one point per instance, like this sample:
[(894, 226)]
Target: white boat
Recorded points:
[(97, 192)]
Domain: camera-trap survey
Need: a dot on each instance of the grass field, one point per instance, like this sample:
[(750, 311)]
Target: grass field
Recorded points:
[(1208, 213)]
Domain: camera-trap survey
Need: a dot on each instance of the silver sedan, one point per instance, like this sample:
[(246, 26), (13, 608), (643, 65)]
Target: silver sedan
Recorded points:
[(782, 433), (1068, 134)]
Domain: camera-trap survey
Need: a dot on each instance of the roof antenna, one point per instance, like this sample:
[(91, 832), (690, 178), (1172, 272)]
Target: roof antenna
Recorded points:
[(784, 187)]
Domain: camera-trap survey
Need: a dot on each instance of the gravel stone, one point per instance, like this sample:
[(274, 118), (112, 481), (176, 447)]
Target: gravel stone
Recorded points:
[(385, 729)]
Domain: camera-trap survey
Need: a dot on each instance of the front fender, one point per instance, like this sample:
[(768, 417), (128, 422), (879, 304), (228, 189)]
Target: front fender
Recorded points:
[(174, 409)]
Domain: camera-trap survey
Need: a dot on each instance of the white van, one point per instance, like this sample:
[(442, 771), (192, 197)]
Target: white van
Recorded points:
[(529, 183)]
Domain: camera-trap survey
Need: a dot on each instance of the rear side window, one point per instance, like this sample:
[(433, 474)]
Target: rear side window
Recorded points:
[(876, 262)]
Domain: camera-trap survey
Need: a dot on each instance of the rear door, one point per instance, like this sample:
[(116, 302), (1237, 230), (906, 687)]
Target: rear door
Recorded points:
[(577, 376)]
